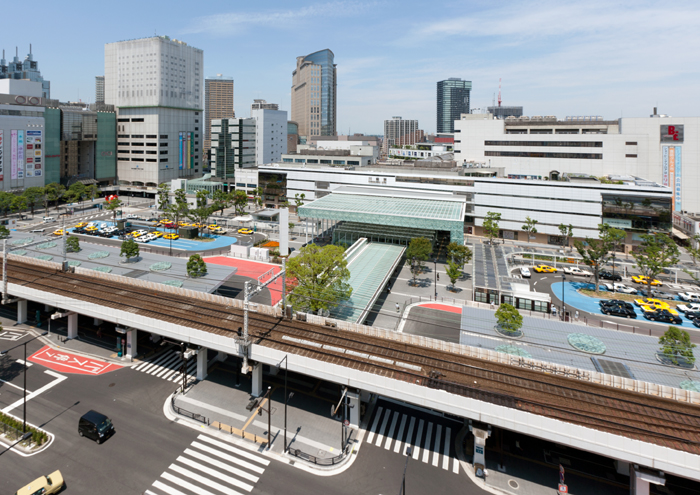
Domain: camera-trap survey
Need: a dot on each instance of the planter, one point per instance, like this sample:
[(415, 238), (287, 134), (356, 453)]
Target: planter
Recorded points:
[(518, 334), (666, 361)]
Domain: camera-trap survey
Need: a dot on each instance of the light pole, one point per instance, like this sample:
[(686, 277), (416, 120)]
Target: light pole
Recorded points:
[(286, 398), (24, 413), (613, 275), (435, 261), (563, 291), (402, 490)]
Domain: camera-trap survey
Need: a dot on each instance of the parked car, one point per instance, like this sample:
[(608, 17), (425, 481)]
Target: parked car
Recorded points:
[(663, 316), (525, 272), (692, 315), (44, 485), (616, 302), (574, 270), (157, 234), (544, 269), (618, 310), (58, 232), (690, 307), (689, 296), (606, 275), (696, 322), (80, 225), (658, 303), (171, 236), (622, 288), (641, 279), (245, 231)]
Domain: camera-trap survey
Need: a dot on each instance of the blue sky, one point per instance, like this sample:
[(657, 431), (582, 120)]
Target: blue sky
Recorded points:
[(609, 58)]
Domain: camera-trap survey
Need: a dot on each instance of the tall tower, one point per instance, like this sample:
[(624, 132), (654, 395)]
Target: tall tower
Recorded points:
[(27, 69), (452, 102), (99, 89), (314, 87), (218, 104)]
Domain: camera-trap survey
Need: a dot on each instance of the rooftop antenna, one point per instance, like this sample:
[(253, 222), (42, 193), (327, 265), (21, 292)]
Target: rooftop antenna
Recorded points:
[(499, 91), (30, 48), (493, 103)]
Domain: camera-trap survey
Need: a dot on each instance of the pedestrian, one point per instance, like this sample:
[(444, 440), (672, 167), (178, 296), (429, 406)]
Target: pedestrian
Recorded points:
[(577, 315), (388, 290), (398, 308), (438, 276)]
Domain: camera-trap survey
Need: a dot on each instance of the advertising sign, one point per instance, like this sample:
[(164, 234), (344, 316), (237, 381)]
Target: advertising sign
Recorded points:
[(671, 133), (618, 223), (2, 160), (20, 154), (34, 151), (180, 153), (677, 190), (13, 166), (664, 164)]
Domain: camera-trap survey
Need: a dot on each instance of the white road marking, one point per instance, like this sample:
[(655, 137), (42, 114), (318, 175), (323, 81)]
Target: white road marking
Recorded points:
[(229, 458), (426, 445), (380, 436), (202, 480), (419, 434), (399, 438), (185, 484), (372, 430), (235, 450), (446, 451), (214, 473), (59, 379), (222, 465), (165, 488), (409, 435), (390, 436), (436, 451), (21, 361)]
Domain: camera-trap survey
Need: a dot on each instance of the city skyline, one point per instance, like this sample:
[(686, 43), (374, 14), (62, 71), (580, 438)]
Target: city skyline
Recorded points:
[(554, 59)]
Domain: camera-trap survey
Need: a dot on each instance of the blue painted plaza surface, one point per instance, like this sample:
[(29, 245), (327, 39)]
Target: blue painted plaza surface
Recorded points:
[(219, 242), (574, 299)]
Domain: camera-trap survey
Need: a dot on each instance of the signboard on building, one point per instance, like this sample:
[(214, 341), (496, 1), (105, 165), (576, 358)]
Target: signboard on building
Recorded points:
[(2, 162), (672, 173), (618, 223), (180, 152), (34, 152), (20, 154), (672, 133), (13, 164)]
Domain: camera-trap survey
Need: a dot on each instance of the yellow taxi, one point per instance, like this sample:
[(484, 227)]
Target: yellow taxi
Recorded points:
[(58, 232), (135, 233), (171, 236), (212, 226), (545, 269), (652, 309), (245, 231), (163, 221), (655, 303), (45, 485), (80, 225), (91, 228), (183, 224), (198, 225), (641, 279), (157, 233)]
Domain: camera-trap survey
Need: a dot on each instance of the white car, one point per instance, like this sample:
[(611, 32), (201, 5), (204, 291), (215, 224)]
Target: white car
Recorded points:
[(525, 272), (689, 296), (574, 270), (621, 288), (150, 237), (142, 239), (103, 226), (131, 215), (688, 307)]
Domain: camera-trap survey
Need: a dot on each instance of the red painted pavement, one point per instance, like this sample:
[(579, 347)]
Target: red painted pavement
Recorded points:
[(442, 307), (252, 269), (65, 362)]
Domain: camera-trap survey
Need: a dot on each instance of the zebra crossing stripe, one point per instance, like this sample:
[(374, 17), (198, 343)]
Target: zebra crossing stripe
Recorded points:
[(149, 364), (216, 474), (165, 365), (446, 451), (185, 484), (392, 428), (419, 434), (409, 436), (237, 451), (221, 465), (201, 479), (380, 436), (455, 466), (397, 447), (426, 445), (436, 452), (370, 437), (165, 488)]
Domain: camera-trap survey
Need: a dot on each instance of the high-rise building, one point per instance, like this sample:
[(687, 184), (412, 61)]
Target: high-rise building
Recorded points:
[(156, 85), (232, 146), (27, 69), (503, 112), (99, 89), (314, 87), (270, 131), (399, 132), (218, 104), (292, 136), (452, 102)]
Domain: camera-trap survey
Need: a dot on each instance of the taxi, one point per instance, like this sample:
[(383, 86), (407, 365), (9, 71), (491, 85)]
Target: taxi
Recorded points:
[(46, 485), (91, 228), (545, 269), (245, 231), (641, 279), (183, 224), (81, 225), (213, 226), (157, 233), (58, 232), (655, 303), (171, 236), (648, 310), (163, 221), (198, 225)]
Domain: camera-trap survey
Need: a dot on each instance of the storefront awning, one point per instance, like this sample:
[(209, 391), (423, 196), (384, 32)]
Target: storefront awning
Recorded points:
[(680, 234)]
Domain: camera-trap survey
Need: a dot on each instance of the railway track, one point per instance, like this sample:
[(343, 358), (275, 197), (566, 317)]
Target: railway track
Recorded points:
[(633, 415)]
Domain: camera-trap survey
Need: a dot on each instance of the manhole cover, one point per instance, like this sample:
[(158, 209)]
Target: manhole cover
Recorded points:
[(513, 484), (112, 384)]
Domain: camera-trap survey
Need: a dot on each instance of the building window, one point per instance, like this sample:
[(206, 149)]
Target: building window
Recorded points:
[(152, 136), (164, 136), (631, 143), (632, 155), (137, 120), (149, 152), (137, 159), (163, 160), (136, 144), (122, 144), (151, 160), (138, 152), (151, 144), (163, 144), (123, 120), (565, 144), (539, 154), (123, 136), (137, 136)]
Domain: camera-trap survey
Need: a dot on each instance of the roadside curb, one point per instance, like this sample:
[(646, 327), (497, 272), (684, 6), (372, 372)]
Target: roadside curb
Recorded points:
[(468, 468)]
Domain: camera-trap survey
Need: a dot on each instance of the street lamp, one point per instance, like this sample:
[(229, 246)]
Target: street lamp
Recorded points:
[(435, 261), (402, 490), (286, 398), (613, 275), (563, 291), (22, 439), (24, 413)]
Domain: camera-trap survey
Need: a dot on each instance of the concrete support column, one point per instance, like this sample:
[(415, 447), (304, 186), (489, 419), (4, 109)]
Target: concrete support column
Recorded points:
[(131, 347), (284, 232), (354, 403), (47, 308), (73, 326), (257, 390), (97, 322), (641, 478), (221, 356), (481, 433), (21, 311), (202, 364)]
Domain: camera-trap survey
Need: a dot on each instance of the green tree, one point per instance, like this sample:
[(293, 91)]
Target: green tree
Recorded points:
[(202, 198), (73, 244), (291, 226), (529, 227), (676, 343), (459, 253), (509, 318), (321, 275), (453, 271), (595, 252), (130, 249), (92, 191), (34, 195), (490, 225), (54, 192), (694, 252), (200, 216), (239, 202), (221, 199), (19, 204), (180, 208), (567, 232), (419, 249), (6, 201), (76, 193), (299, 200), (4, 234), (163, 197), (258, 193), (114, 207), (196, 267), (656, 253)]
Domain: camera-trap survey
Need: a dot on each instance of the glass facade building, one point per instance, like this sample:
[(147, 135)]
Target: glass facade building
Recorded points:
[(314, 100), (452, 102)]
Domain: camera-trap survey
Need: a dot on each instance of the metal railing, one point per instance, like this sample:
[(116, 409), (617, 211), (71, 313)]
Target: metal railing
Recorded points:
[(320, 461), (188, 414), (10, 433)]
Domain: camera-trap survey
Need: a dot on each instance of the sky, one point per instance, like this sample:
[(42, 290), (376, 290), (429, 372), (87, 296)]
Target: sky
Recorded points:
[(598, 57)]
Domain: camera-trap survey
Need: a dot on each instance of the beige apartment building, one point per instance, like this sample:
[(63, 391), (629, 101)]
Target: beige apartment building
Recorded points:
[(218, 104), (314, 103)]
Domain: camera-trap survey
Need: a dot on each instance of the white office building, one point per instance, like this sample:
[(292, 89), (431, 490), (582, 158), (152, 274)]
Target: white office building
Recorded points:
[(270, 132), (156, 84), (662, 149)]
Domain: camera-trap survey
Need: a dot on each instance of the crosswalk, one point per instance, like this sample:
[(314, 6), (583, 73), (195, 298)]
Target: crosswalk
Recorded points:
[(429, 437), (167, 365), (211, 467)]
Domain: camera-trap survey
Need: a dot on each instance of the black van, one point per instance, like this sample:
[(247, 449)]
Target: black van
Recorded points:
[(95, 426)]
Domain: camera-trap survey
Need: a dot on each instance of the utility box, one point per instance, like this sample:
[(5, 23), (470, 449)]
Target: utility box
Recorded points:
[(188, 232)]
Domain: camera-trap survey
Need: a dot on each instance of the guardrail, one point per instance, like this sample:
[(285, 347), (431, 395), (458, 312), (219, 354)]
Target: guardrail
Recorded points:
[(320, 461), (188, 414)]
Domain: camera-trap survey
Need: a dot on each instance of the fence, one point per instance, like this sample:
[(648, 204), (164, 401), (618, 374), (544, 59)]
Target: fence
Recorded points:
[(320, 461), (9, 432), (186, 413)]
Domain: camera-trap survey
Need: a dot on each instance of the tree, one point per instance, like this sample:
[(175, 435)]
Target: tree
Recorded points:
[(73, 244), (656, 253), (453, 271), (54, 192), (299, 200), (92, 191), (459, 253), (76, 193), (595, 252), (130, 249), (6, 200), (33, 195), (676, 343), (694, 252), (196, 267), (321, 275), (490, 225), (114, 206), (221, 199), (419, 249), (567, 232), (509, 318), (258, 194), (4, 232), (239, 201), (19, 204), (200, 215), (163, 197), (291, 226), (529, 227), (180, 208), (201, 198)]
